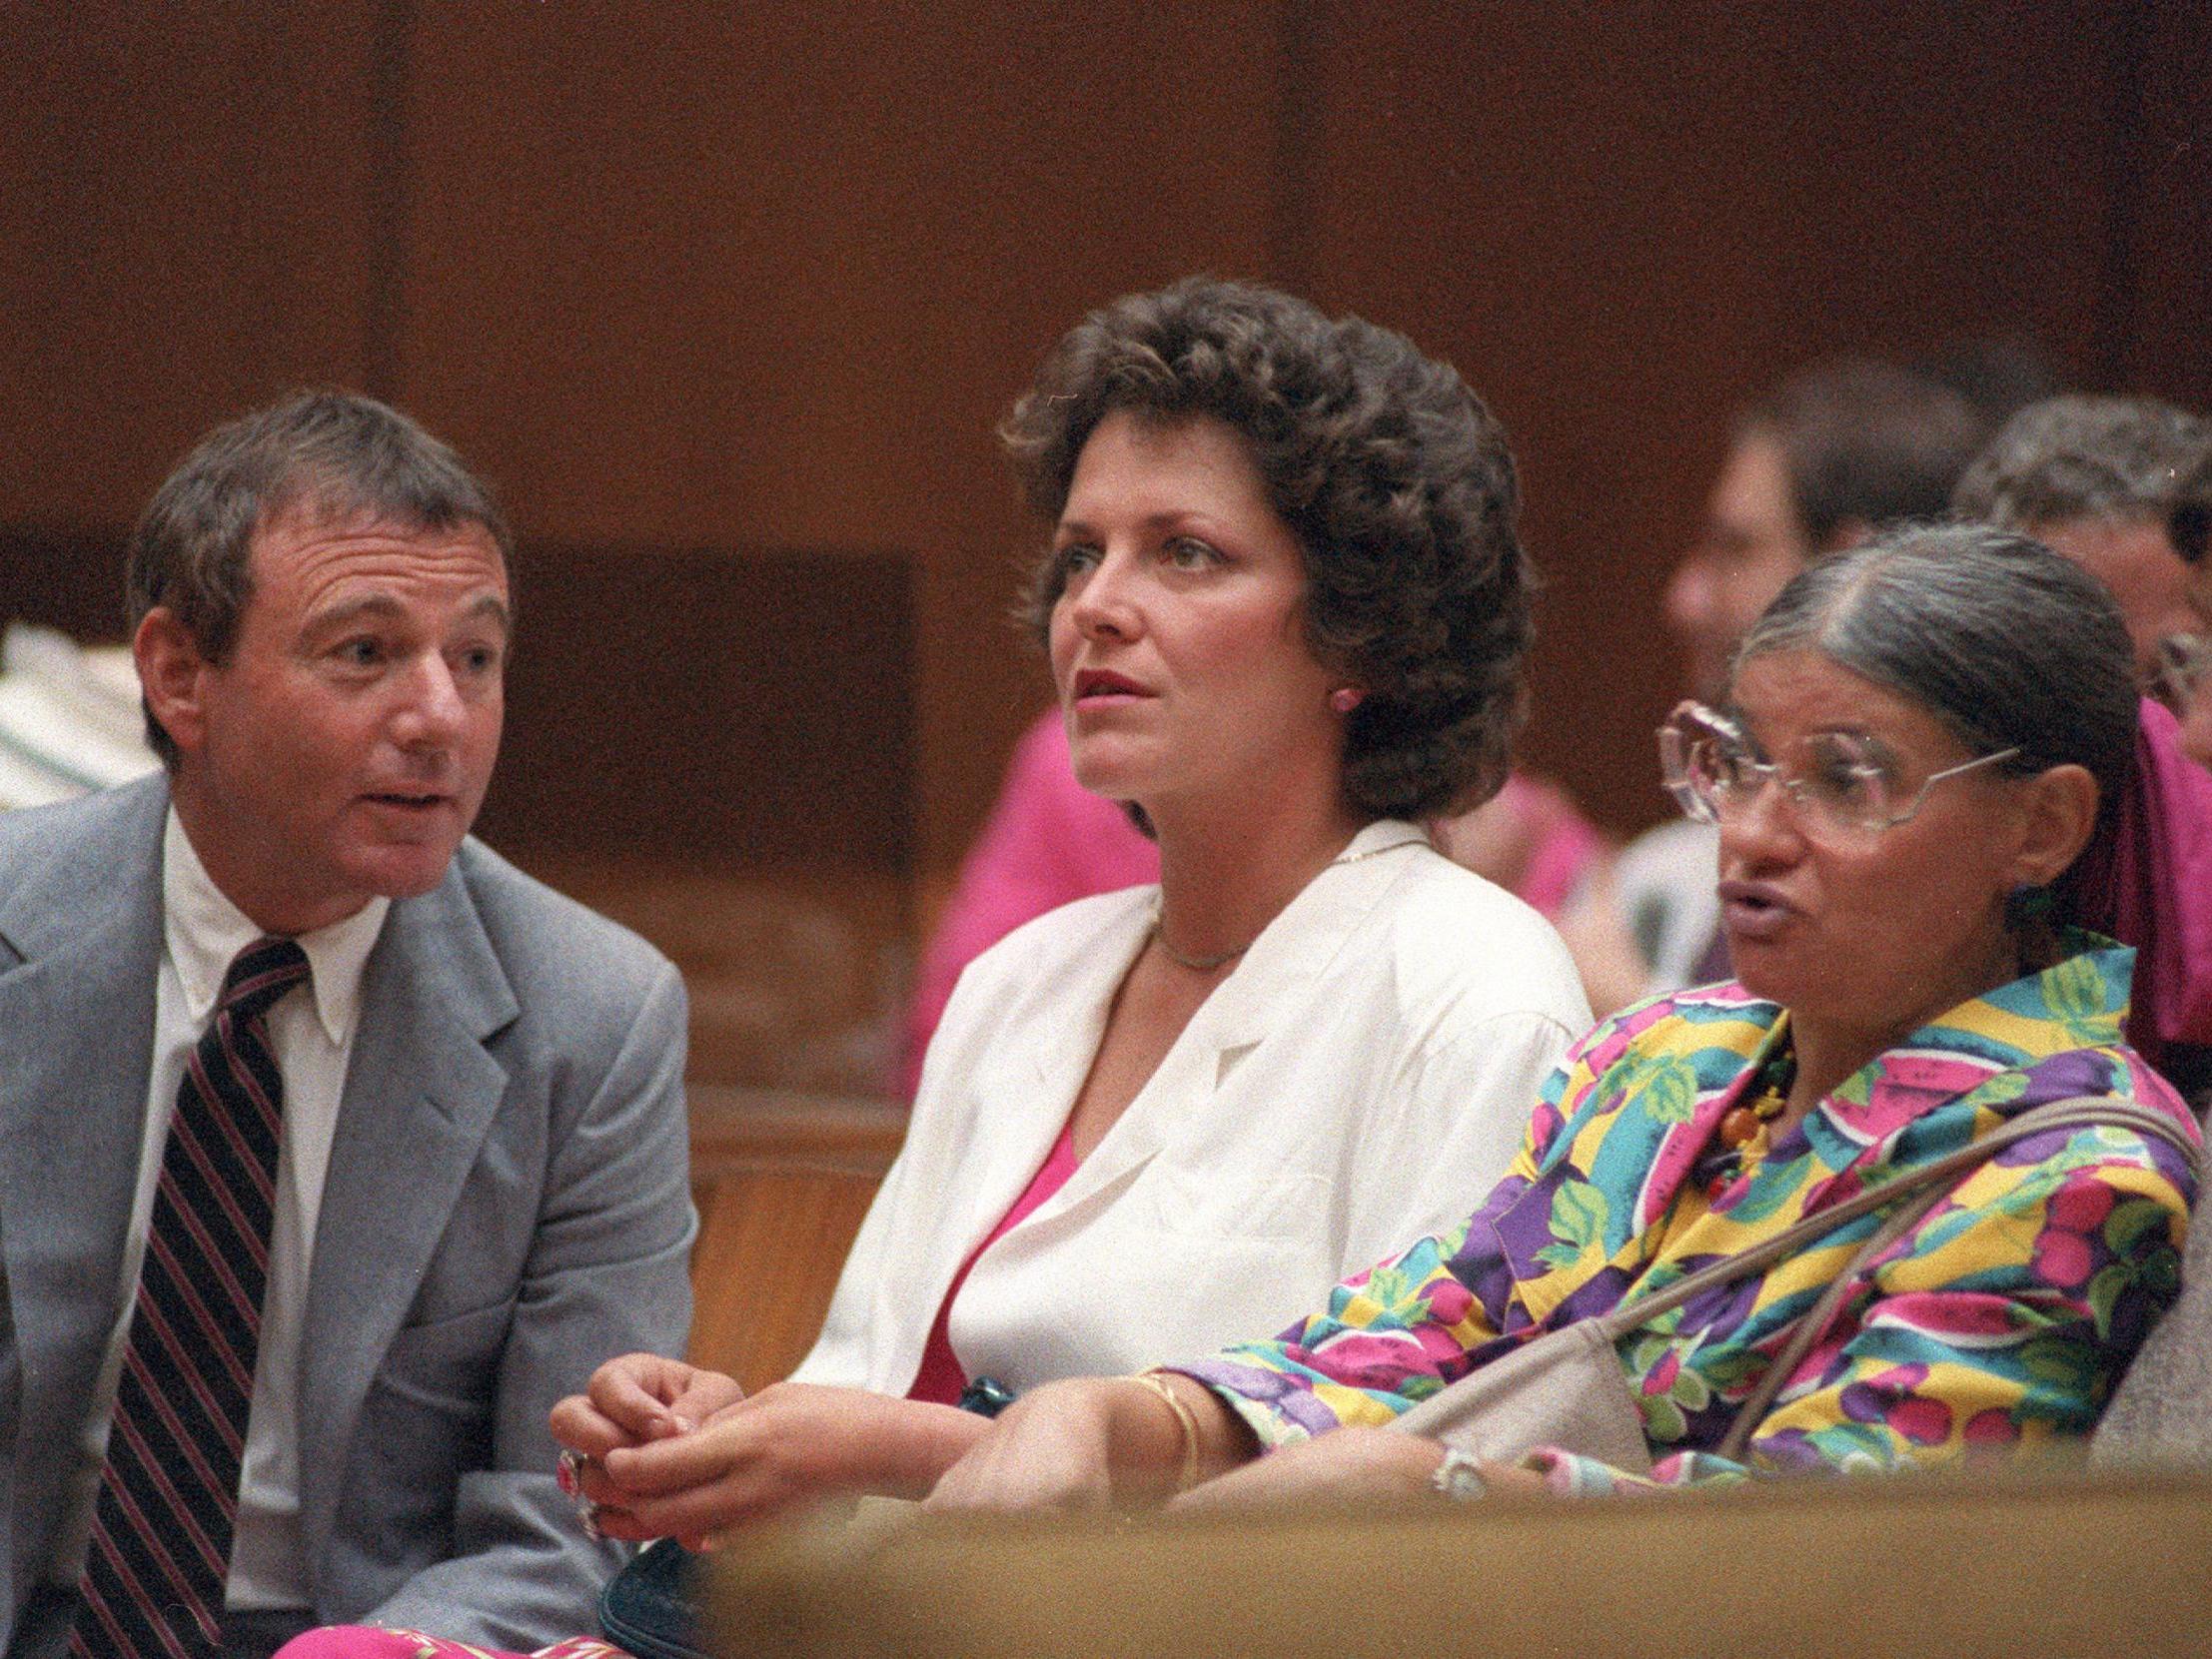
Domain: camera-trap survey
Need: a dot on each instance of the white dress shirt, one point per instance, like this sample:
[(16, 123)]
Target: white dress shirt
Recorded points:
[(311, 1033), (1363, 1077)]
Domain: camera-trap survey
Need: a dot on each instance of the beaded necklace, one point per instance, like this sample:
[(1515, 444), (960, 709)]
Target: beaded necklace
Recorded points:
[(1742, 1132)]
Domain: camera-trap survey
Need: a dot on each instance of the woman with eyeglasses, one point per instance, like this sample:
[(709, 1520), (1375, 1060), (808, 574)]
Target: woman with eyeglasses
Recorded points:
[(1916, 746)]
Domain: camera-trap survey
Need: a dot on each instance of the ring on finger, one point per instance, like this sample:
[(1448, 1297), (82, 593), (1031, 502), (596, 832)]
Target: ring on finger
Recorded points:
[(568, 1473)]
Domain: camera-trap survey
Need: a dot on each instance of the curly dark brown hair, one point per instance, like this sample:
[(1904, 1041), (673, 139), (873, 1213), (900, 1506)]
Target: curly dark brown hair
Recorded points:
[(1394, 478)]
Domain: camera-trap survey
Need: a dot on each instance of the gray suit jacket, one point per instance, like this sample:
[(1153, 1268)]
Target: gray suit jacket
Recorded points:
[(507, 1205)]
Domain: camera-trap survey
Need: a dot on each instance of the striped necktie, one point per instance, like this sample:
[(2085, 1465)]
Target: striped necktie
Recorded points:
[(161, 1531)]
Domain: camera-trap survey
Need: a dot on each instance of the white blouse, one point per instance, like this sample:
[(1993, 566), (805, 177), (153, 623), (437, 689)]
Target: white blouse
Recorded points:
[(1363, 1077)]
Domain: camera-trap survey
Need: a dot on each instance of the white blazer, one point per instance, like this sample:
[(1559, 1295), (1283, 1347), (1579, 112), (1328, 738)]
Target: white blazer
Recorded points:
[(1363, 1077)]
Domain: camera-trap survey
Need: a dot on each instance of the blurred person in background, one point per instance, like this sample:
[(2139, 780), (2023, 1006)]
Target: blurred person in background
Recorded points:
[(2106, 481), (2188, 663), (69, 718), (1815, 466), (2123, 487)]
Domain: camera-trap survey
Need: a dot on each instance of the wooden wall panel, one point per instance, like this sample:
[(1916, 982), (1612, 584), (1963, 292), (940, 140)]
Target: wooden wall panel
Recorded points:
[(765, 276), (185, 210), (758, 281), (754, 710), (782, 1183), (1622, 219), (2164, 230)]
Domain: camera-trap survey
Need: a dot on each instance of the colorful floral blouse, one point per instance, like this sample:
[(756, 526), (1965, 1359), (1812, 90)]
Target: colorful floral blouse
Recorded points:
[(2004, 1316)]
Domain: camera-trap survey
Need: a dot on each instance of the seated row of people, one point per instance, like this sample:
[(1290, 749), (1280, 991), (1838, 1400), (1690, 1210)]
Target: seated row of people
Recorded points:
[(1285, 612), (387, 1213), (1916, 740), (2121, 484)]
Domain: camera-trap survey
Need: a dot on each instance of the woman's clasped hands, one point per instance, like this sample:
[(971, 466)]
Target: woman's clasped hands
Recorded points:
[(662, 1448)]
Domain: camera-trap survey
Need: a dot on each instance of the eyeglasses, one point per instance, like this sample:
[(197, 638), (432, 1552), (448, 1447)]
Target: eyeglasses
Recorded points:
[(1841, 786), (2184, 663)]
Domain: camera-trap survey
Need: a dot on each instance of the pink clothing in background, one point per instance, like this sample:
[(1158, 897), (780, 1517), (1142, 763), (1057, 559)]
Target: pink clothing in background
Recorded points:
[(1563, 846), (1049, 841), (363, 1641), (2148, 883)]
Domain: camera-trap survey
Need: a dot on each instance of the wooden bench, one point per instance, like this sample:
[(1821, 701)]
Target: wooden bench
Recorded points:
[(1973, 1564), (781, 1179)]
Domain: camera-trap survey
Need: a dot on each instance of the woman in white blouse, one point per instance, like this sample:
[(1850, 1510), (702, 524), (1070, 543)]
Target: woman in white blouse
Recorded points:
[(1286, 610)]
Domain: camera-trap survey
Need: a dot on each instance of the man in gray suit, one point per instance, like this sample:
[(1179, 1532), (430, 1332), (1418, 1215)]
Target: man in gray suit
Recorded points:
[(477, 1191)]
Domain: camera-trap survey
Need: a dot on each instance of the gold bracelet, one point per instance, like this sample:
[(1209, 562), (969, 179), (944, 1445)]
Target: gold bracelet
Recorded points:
[(1185, 1420)]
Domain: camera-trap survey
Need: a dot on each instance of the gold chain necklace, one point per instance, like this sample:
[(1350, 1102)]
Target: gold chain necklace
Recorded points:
[(1196, 964), (1207, 964)]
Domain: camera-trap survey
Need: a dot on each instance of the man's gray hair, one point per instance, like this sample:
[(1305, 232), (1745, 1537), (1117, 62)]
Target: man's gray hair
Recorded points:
[(2121, 460)]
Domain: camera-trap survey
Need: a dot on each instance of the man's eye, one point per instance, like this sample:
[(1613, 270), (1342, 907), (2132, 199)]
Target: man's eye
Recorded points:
[(361, 653), (481, 659)]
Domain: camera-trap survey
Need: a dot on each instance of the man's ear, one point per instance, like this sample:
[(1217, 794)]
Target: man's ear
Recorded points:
[(171, 677), (2059, 812)]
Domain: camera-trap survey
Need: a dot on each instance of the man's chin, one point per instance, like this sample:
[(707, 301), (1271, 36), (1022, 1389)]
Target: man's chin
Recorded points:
[(408, 870)]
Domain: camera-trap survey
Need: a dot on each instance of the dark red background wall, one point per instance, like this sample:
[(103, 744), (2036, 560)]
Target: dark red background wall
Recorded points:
[(728, 298)]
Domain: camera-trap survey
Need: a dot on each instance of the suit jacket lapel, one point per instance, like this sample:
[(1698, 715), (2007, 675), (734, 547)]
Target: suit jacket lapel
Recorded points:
[(421, 1092), (76, 1042)]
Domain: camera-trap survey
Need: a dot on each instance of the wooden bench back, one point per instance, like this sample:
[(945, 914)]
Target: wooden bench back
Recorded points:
[(781, 1182), (1982, 1563)]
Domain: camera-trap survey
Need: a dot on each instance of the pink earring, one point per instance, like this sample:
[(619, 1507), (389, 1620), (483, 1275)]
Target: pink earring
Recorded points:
[(1346, 698)]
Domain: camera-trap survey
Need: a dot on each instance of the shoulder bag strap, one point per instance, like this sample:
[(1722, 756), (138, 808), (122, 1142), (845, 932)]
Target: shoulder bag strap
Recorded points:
[(1807, 1329), (1813, 1323), (2079, 1112)]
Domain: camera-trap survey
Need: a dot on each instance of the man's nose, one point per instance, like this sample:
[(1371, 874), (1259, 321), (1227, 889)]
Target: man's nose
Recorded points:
[(432, 709)]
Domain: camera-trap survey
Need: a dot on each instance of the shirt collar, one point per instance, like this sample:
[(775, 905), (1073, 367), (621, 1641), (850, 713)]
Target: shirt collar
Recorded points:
[(2078, 1002), (1380, 837), (205, 931)]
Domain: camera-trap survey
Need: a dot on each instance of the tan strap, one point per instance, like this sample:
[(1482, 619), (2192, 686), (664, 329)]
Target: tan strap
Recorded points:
[(1809, 1325), (1813, 1323), (2081, 1111)]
